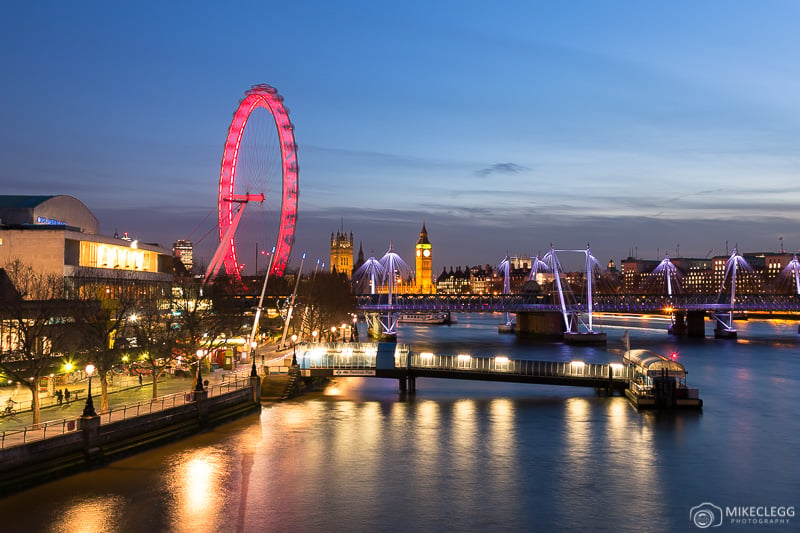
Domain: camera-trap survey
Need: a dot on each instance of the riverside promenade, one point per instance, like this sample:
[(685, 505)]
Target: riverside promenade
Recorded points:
[(36, 453), (125, 391)]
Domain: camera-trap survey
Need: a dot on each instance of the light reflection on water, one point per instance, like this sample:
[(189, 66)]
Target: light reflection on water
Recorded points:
[(465, 456), (193, 481), (89, 514)]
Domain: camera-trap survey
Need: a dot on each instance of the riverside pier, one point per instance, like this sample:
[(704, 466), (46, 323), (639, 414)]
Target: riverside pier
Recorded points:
[(648, 380)]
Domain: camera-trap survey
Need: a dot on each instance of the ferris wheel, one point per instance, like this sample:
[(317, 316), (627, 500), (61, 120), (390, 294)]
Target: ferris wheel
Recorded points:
[(259, 165)]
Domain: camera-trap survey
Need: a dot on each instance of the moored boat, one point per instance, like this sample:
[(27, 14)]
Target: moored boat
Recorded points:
[(659, 382), (426, 318)]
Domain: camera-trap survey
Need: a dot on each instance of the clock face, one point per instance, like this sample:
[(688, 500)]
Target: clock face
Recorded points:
[(426, 253)]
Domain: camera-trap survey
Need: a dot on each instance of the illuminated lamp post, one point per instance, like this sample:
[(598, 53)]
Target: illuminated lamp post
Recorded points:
[(294, 349), (344, 332), (353, 330), (199, 385), (314, 335), (88, 409), (333, 333)]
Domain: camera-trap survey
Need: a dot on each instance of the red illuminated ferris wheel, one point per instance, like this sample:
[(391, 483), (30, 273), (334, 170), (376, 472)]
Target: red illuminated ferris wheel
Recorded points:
[(259, 164)]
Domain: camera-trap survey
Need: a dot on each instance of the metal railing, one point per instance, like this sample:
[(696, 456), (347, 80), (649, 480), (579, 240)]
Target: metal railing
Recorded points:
[(228, 386), (52, 428), (346, 355), (79, 394), (520, 367), (363, 356), (34, 432), (144, 407)]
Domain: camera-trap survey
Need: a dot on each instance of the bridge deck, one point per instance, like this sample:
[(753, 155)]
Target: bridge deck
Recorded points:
[(617, 303)]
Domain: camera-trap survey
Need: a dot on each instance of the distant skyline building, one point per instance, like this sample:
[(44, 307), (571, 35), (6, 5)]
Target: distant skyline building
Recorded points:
[(342, 253), (182, 249)]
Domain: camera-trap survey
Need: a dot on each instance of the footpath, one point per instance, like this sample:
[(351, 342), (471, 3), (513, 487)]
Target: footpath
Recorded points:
[(124, 391)]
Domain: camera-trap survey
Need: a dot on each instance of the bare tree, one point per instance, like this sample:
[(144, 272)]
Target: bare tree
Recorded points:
[(35, 326), (327, 300), (205, 315), (111, 300), (153, 337), (187, 324)]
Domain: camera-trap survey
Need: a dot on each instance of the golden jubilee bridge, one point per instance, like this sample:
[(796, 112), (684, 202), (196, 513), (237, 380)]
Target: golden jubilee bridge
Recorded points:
[(613, 303), (561, 310), (551, 315)]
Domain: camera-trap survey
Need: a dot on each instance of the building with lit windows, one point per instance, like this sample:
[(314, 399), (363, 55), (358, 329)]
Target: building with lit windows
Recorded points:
[(342, 253), (182, 249), (59, 235)]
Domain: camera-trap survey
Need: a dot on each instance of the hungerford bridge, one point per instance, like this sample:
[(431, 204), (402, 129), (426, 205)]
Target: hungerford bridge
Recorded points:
[(556, 314)]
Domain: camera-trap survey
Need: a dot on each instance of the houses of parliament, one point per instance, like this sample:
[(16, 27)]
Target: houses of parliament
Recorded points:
[(419, 282)]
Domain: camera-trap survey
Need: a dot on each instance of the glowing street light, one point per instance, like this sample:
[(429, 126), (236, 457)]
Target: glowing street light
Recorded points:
[(198, 387), (314, 335), (294, 349), (88, 409)]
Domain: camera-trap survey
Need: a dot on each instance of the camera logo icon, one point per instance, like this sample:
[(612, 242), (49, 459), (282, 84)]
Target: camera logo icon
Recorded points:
[(706, 515)]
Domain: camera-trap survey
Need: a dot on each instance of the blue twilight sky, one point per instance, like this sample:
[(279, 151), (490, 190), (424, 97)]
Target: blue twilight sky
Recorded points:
[(639, 127)]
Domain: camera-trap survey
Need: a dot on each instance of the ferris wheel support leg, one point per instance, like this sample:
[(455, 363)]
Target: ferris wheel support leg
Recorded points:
[(224, 246)]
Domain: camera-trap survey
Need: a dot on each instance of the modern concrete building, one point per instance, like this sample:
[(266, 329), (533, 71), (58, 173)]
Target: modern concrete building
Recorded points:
[(59, 235)]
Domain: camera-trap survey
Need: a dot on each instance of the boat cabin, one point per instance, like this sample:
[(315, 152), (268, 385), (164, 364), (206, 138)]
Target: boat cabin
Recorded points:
[(658, 381)]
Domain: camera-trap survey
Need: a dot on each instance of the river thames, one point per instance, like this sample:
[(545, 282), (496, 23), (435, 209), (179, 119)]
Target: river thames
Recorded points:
[(472, 456)]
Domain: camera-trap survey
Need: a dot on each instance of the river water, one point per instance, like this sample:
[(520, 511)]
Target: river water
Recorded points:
[(472, 456)]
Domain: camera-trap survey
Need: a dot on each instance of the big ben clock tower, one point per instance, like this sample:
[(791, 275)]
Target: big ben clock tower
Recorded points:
[(424, 271)]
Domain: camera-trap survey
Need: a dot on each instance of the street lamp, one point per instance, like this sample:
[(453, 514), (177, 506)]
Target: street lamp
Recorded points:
[(88, 409), (199, 385), (314, 335), (343, 331), (353, 337), (294, 349), (333, 333)]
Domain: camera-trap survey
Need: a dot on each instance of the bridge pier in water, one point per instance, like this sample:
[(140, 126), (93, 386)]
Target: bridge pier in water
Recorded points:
[(689, 323), (407, 384), (540, 324)]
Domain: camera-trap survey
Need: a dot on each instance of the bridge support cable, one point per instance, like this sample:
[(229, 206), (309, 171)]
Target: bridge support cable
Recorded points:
[(555, 267), (305, 324), (725, 326), (259, 309), (291, 304)]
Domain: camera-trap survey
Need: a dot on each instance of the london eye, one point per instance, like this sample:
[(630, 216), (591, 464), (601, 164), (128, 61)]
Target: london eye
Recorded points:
[(259, 166)]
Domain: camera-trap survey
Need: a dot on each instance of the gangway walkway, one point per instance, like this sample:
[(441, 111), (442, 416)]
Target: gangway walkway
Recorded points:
[(390, 360)]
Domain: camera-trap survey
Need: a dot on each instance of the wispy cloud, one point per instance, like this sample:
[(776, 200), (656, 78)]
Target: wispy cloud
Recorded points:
[(501, 168)]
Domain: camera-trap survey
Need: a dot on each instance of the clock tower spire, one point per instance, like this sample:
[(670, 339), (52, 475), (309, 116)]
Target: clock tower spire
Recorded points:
[(424, 260)]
